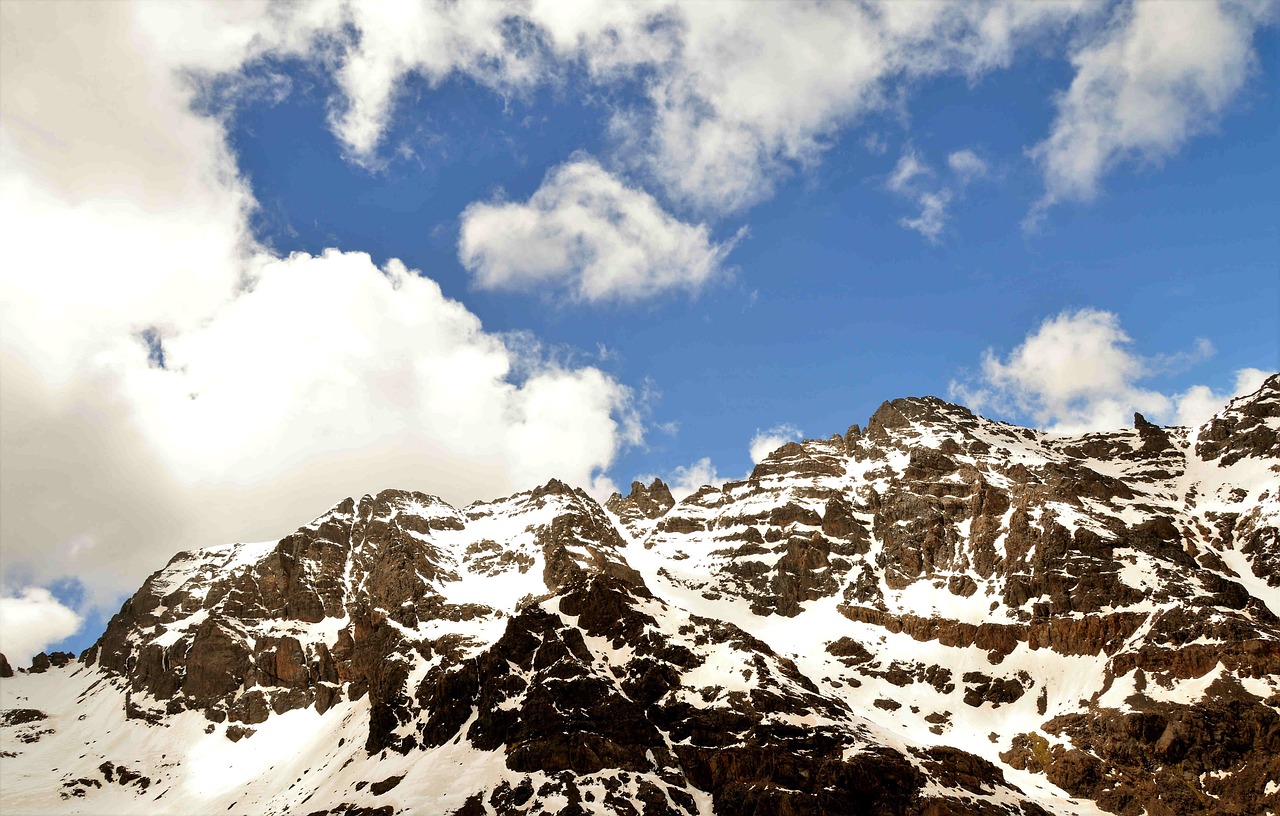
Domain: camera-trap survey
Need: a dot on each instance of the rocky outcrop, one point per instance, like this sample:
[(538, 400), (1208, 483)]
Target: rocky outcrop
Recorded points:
[(5, 669), (1220, 756), (1125, 548), (642, 505), (1246, 429), (226, 631), (42, 662), (816, 638), (1088, 635), (558, 706)]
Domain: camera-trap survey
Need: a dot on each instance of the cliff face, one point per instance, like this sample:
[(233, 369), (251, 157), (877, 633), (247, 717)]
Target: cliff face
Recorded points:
[(940, 614)]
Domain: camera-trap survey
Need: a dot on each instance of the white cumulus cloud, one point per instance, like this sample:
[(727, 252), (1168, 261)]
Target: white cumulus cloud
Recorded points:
[(1199, 402), (732, 96), (767, 441), (30, 622), (757, 90), (587, 232), (432, 40), (735, 95), (1078, 371), (684, 480), (165, 382)]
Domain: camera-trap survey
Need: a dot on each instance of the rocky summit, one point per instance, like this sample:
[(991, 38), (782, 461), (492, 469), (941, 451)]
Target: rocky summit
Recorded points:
[(935, 614)]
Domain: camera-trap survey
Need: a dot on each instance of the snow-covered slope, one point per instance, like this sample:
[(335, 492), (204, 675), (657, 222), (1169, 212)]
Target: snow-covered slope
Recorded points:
[(939, 614)]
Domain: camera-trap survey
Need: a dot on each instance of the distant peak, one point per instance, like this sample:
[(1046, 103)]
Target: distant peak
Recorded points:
[(397, 495), (905, 411), (656, 491), (1246, 427), (556, 487), (650, 502), (1266, 394)]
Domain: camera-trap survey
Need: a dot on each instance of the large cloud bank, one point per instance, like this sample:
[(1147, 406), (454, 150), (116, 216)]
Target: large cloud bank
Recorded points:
[(167, 382)]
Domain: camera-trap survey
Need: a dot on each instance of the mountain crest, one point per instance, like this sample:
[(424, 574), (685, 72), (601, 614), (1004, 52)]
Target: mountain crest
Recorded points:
[(941, 614)]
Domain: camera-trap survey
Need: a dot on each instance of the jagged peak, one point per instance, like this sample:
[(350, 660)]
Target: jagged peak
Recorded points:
[(1248, 427), (344, 508), (1264, 401), (651, 501), (555, 493), (657, 490), (422, 504), (798, 458), (394, 494), (553, 489), (906, 411), (347, 510), (553, 485), (944, 533), (637, 511)]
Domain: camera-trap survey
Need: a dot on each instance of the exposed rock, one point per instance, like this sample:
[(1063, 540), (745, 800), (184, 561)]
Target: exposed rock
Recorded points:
[(794, 459), (1244, 429), (21, 716), (520, 633), (645, 502), (379, 788)]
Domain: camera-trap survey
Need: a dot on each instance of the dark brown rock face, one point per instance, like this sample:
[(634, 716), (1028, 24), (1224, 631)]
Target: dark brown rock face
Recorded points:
[(1134, 548), (649, 502), (592, 684), (1244, 430), (558, 706), (817, 638), (5, 669), (644, 507), (236, 622)]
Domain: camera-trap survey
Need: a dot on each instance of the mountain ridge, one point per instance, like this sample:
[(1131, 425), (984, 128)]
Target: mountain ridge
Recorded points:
[(1003, 620)]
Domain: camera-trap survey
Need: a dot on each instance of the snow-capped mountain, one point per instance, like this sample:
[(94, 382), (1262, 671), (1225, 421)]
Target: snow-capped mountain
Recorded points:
[(939, 614)]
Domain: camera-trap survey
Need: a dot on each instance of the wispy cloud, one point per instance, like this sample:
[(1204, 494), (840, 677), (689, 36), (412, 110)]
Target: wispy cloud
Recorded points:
[(914, 179), (967, 165), (1156, 75), (909, 169), (933, 215)]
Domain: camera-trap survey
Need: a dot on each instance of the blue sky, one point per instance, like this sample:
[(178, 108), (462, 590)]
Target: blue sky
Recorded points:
[(831, 306), (664, 238)]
